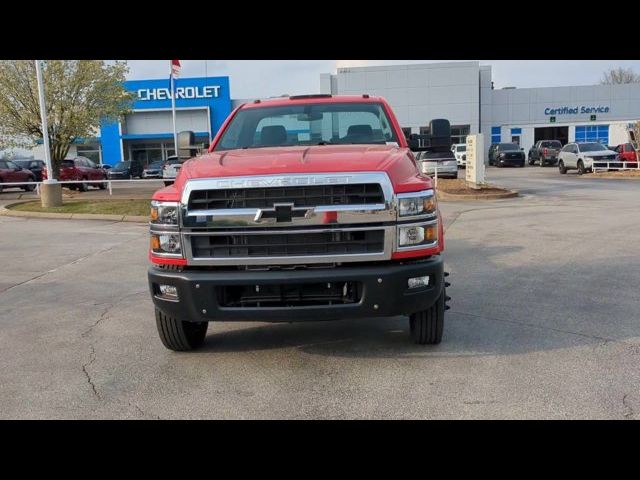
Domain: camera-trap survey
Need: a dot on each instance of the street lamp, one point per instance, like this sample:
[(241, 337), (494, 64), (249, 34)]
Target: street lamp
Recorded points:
[(51, 190)]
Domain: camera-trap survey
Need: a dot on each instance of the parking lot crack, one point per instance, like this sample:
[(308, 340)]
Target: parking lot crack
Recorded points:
[(92, 357)]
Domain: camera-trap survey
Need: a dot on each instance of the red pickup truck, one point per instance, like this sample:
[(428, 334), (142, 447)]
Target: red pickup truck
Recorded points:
[(305, 208), (626, 153)]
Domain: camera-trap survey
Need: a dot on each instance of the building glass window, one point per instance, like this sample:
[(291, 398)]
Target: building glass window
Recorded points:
[(459, 133), (495, 135), (592, 133), (92, 152)]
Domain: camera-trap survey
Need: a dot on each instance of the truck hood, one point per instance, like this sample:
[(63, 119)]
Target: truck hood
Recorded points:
[(396, 161)]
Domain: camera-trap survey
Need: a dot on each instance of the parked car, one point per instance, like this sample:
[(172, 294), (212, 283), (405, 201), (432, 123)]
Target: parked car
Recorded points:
[(125, 170), (13, 173), (35, 166), (545, 152), (170, 169), (506, 154), (626, 152), (444, 161), (80, 168), (460, 152), (153, 170), (580, 156)]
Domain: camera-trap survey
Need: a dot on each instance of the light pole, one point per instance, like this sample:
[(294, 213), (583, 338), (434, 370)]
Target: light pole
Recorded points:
[(51, 190)]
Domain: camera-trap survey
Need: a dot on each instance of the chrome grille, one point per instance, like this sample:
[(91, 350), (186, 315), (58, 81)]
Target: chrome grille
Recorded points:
[(288, 219), (299, 196), (299, 243)]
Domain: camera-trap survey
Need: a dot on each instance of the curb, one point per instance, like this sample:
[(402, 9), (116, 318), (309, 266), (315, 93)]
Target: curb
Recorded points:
[(465, 196), (598, 177), (4, 211)]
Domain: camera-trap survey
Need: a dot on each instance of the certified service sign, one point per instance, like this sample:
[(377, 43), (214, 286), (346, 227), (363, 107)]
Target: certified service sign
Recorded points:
[(475, 160)]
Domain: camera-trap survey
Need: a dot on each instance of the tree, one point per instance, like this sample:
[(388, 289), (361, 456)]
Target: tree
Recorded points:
[(80, 95), (619, 75)]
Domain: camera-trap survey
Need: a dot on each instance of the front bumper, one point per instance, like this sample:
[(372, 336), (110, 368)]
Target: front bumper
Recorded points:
[(510, 162), (384, 291)]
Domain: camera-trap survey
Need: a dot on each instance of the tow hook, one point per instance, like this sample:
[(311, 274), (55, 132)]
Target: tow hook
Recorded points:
[(446, 297)]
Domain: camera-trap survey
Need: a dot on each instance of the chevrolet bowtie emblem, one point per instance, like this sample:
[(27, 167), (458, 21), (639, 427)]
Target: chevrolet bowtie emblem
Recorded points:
[(283, 212)]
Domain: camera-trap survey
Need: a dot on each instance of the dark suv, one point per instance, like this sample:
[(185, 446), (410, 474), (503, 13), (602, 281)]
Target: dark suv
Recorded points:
[(35, 166), (125, 170), (506, 154)]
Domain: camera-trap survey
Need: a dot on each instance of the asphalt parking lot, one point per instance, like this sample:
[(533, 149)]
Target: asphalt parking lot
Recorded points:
[(544, 323)]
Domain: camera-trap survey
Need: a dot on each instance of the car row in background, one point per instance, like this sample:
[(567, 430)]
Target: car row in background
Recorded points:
[(506, 155)]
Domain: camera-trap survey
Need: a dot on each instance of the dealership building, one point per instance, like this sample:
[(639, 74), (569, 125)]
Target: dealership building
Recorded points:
[(146, 133), (463, 93)]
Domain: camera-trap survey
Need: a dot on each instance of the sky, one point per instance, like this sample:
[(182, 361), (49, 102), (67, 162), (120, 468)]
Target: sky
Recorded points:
[(266, 78)]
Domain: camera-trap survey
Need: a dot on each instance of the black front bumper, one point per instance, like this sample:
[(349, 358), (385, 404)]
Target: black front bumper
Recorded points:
[(510, 162), (384, 291)]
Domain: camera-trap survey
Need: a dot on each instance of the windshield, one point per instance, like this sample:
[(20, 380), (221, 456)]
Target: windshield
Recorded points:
[(122, 165), (551, 144), (591, 147), (155, 165), (22, 163), (461, 148), (508, 146), (311, 124)]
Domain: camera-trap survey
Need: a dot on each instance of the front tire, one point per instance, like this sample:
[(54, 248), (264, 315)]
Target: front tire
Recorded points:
[(427, 326), (561, 167), (178, 335), (29, 188), (581, 169), (83, 186)]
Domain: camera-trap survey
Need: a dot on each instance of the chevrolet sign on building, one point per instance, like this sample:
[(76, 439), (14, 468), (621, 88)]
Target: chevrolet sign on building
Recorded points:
[(146, 133)]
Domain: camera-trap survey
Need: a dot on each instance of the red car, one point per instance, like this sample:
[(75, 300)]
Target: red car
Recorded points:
[(80, 168), (12, 173), (626, 152)]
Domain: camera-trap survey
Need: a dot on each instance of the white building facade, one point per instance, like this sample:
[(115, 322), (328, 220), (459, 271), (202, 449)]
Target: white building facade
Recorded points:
[(462, 92)]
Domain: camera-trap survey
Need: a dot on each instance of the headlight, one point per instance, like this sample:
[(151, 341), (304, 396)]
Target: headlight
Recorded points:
[(420, 204), (166, 243), (416, 235), (164, 213), (501, 155)]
